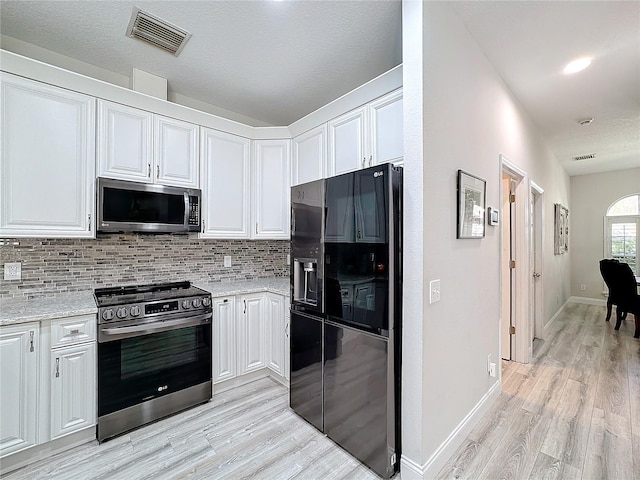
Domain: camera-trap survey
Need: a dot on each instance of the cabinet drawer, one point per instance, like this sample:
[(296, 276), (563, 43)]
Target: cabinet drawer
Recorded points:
[(72, 330)]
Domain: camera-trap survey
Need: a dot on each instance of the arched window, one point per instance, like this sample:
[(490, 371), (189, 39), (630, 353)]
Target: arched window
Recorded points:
[(622, 231)]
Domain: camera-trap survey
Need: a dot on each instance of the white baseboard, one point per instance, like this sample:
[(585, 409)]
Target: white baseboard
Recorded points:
[(411, 470), (588, 301), (547, 327)]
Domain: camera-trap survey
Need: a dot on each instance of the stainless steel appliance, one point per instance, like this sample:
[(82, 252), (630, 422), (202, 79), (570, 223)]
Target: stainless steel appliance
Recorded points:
[(141, 207), (154, 353), (345, 350)]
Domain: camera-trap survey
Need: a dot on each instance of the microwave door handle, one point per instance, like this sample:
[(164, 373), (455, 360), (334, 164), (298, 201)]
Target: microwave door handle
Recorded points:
[(186, 210)]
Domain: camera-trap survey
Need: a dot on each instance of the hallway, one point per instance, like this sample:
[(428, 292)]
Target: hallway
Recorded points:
[(573, 413)]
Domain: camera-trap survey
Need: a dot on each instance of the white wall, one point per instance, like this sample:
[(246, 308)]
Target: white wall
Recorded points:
[(469, 118), (591, 196)]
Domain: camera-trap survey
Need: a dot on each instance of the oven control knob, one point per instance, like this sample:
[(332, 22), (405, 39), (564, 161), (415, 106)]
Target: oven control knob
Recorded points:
[(107, 314), (135, 311), (197, 303), (186, 303), (122, 312), (206, 301)]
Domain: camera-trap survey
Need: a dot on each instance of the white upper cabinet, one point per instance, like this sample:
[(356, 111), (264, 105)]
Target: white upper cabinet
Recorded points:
[(140, 146), (226, 174), (386, 130), (309, 156), (348, 142), (176, 152), (271, 188), (19, 348), (125, 148), (47, 160)]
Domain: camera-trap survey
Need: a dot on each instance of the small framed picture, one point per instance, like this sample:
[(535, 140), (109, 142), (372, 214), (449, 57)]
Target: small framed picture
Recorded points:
[(471, 205)]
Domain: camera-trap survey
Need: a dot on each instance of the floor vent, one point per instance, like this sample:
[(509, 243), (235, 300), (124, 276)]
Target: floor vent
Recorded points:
[(585, 157), (157, 32)]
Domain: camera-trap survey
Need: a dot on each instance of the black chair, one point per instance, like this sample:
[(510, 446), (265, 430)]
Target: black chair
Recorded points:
[(622, 291)]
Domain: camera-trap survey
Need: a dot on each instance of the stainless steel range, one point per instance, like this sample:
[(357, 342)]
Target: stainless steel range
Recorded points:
[(154, 353)]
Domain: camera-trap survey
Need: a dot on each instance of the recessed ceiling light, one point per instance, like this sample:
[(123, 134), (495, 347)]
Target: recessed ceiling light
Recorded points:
[(577, 65)]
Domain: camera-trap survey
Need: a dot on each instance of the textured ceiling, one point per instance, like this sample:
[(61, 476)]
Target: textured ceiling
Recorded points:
[(272, 61), (529, 44)]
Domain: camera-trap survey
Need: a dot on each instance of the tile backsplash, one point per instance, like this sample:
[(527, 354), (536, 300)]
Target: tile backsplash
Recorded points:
[(51, 266)]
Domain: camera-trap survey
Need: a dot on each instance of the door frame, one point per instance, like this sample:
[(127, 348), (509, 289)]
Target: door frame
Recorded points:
[(521, 346), (537, 262)]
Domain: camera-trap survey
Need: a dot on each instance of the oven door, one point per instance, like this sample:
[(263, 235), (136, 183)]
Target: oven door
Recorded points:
[(138, 363)]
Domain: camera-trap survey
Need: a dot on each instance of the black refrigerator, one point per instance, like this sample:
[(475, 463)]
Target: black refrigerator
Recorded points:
[(346, 283)]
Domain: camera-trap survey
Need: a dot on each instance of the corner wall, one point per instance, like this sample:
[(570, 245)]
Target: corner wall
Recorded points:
[(470, 117), (591, 196)]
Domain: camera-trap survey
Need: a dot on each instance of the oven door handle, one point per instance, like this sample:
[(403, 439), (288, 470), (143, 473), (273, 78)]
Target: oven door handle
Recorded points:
[(143, 329)]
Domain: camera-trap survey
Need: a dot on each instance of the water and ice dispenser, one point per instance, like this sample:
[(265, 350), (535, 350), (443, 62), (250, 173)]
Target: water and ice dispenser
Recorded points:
[(305, 281)]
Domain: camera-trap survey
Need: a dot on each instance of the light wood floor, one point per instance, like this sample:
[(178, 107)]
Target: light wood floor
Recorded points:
[(573, 413)]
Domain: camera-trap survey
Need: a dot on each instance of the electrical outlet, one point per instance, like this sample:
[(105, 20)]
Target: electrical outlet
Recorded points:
[(492, 370), (583, 287), (434, 291), (227, 261), (13, 271)]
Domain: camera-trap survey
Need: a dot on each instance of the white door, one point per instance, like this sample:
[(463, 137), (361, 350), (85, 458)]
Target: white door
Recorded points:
[(251, 333), (271, 204), (274, 311), (19, 347), (47, 164), (385, 115), (124, 142), (226, 185), (348, 142), (176, 152), (309, 155), (224, 339), (73, 388)]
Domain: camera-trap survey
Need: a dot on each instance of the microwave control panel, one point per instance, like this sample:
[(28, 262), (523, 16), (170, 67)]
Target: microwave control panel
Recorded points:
[(194, 211)]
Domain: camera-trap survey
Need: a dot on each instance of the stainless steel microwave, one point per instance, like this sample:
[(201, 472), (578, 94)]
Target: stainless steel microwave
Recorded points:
[(125, 206)]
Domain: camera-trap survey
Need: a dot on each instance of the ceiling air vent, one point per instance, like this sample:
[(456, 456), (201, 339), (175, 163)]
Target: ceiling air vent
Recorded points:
[(585, 157), (157, 32)]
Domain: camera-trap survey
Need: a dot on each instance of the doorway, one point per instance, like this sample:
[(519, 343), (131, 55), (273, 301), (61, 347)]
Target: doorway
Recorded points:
[(516, 342), (536, 292)]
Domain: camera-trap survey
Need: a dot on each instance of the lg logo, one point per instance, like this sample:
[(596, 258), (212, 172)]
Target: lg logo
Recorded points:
[(378, 174), (162, 388)]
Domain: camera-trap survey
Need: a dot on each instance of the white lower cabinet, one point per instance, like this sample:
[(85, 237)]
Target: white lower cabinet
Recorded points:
[(19, 350), (250, 333), (73, 388), (224, 339)]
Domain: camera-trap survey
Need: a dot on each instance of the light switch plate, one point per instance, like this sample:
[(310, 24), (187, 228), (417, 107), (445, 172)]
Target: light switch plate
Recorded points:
[(434, 291), (13, 271), (227, 261)]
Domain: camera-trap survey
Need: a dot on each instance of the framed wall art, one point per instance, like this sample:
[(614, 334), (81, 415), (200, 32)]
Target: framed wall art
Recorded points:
[(561, 229), (471, 205)]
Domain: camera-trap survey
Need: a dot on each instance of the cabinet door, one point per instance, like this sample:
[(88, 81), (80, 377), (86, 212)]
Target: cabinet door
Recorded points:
[(47, 162), (287, 339), (251, 334), (385, 116), (124, 142), (226, 184), (271, 205), (274, 312), (309, 155), (19, 347), (224, 339), (348, 142), (73, 388), (176, 152)]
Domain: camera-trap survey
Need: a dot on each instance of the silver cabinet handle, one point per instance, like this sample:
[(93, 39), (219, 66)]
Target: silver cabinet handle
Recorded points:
[(256, 228), (245, 306), (57, 367), (370, 160), (158, 171), (89, 222), (149, 170), (286, 329), (364, 159), (31, 334), (225, 300)]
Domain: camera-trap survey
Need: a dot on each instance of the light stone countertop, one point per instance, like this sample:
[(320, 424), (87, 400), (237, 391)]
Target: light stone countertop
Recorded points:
[(21, 310), (277, 285)]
